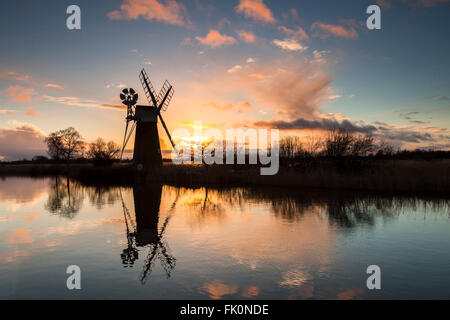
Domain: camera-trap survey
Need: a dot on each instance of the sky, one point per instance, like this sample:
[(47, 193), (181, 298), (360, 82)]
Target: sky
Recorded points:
[(299, 66)]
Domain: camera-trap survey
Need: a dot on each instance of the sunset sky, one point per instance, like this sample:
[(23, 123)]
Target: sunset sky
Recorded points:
[(299, 66)]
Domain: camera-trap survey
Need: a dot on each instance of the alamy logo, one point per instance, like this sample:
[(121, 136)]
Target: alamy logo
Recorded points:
[(374, 21), (74, 280), (374, 281), (73, 22)]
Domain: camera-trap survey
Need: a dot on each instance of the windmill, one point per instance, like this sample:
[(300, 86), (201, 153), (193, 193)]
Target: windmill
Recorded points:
[(144, 118)]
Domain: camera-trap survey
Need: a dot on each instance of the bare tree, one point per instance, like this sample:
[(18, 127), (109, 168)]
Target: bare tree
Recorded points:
[(362, 146), (65, 144), (290, 147), (313, 144), (102, 151), (338, 143), (385, 148)]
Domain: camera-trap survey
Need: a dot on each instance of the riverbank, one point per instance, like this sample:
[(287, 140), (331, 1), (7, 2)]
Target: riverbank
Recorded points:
[(381, 176)]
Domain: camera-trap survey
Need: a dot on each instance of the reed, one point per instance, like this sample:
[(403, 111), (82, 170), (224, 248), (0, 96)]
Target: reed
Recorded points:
[(377, 175)]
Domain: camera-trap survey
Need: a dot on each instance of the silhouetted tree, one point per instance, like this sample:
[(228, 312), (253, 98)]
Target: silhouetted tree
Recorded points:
[(103, 152), (362, 146), (338, 143), (54, 146), (290, 147), (65, 144)]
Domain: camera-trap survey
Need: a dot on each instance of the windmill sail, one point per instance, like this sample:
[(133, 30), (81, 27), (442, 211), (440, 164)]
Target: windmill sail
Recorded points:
[(149, 90), (167, 130), (165, 95)]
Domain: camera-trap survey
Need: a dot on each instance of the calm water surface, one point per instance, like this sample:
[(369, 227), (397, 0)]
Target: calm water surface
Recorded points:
[(162, 242)]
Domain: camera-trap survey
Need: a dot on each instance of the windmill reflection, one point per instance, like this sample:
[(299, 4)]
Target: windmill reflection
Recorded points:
[(143, 231)]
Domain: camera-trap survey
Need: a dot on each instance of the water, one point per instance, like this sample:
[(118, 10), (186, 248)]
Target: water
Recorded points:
[(163, 242)]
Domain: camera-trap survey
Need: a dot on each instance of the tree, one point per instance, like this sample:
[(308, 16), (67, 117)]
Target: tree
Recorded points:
[(362, 146), (313, 145), (385, 148), (338, 143), (54, 146), (103, 152), (65, 144), (290, 147)]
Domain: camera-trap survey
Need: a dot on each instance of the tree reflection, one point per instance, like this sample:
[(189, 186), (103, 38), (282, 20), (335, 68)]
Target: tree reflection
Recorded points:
[(103, 195), (342, 208), (65, 197)]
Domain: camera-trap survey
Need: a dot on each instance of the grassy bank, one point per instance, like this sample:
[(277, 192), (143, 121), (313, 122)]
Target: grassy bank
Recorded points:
[(382, 175)]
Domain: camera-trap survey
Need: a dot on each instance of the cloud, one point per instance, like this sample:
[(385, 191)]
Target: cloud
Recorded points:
[(290, 45), (169, 11), (77, 102), (251, 60), (256, 10), (418, 122), (240, 107), (32, 81), (222, 23), (236, 68), (23, 140), (20, 94), (295, 88), (319, 56), (298, 34), (31, 112), (246, 36), (15, 76), (318, 124), (214, 39), (402, 135), (186, 42), (54, 86), (7, 112), (323, 31)]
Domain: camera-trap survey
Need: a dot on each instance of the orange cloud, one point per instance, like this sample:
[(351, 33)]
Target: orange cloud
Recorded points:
[(240, 107), (7, 112), (31, 112), (246, 36), (298, 34), (20, 94), (324, 31), (214, 39), (170, 11), (256, 10)]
